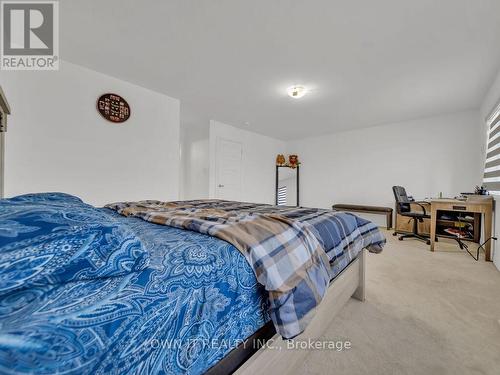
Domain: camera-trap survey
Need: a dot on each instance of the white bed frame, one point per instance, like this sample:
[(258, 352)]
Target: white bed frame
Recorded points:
[(277, 358)]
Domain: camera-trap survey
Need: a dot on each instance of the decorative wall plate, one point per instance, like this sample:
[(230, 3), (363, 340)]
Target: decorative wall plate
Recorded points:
[(113, 108)]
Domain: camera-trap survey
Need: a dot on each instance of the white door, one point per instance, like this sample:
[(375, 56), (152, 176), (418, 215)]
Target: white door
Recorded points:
[(228, 184)]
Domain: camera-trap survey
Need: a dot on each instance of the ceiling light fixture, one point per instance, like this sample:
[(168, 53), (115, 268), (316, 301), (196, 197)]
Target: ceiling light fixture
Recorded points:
[(296, 92)]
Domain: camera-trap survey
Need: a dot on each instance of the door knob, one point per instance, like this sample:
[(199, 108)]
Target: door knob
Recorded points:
[(221, 185)]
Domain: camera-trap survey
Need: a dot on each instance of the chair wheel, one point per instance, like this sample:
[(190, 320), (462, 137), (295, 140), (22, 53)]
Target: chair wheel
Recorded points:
[(394, 234), (400, 238), (428, 242)]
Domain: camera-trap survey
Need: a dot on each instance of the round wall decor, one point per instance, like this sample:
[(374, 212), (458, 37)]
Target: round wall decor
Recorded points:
[(113, 108)]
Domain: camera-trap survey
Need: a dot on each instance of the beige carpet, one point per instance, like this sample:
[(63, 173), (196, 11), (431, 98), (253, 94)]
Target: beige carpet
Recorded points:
[(425, 313)]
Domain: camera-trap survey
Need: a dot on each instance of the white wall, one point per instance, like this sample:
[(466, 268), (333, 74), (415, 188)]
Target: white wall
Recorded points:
[(491, 100), (259, 160), (57, 141), (195, 160), (427, 156)]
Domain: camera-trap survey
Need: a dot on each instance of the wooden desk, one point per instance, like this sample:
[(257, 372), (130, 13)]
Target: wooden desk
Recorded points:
[(475, 204)]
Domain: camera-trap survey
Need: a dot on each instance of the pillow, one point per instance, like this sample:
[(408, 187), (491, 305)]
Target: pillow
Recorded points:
[(46, 197), (55, 238)]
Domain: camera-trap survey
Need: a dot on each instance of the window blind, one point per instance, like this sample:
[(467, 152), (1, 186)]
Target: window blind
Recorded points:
[(492, 167), (282, 196)]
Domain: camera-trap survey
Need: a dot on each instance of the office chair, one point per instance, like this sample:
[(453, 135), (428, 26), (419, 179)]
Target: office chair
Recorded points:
[(403, 208)]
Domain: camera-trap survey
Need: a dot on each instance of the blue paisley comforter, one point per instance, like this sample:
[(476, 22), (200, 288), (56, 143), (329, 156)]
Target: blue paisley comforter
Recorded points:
[(86, 291)]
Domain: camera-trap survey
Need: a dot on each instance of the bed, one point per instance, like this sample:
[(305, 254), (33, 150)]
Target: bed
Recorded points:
[(87, 290)]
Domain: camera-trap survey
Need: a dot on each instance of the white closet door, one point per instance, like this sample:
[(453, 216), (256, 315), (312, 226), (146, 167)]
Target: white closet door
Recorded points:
[(228, 184)]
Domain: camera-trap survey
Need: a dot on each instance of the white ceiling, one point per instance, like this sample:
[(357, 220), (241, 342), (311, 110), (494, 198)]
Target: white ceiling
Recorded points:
[(369, 62)]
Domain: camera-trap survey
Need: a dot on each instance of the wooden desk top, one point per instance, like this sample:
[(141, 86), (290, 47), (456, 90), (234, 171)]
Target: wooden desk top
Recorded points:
[(473, 199)]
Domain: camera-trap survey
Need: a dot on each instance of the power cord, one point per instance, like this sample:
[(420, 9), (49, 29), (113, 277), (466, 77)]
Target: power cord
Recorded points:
[(463, 245)]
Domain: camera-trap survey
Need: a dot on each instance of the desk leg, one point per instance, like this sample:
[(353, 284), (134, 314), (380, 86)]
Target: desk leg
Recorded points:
[(487, 233), (433, 226)]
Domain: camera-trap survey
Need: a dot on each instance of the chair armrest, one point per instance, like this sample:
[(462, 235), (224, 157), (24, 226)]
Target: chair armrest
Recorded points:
[(421, 204)]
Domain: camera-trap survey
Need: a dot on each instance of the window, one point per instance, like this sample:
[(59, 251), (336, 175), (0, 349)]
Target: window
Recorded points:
[(282, 196), (492, 167)]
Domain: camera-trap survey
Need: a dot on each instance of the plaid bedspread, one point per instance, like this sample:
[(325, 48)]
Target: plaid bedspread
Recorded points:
[(291, 250)]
